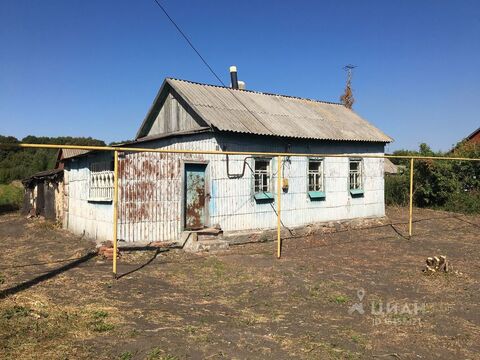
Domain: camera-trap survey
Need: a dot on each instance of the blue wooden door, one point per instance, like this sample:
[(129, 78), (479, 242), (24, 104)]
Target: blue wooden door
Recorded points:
[(195, 196)]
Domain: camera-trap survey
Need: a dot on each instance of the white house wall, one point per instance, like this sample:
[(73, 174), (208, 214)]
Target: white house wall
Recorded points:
[(91, 219), (233, 206), (151, 189)]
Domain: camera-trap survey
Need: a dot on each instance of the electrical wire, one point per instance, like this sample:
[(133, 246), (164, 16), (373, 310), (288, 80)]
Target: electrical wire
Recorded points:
[(189, 42), (207, 65)]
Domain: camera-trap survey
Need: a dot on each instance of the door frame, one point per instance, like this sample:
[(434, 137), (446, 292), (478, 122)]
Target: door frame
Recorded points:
[(40, 199), (207, 190)]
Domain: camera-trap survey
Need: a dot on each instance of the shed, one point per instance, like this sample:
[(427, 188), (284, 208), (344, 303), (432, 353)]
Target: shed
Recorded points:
[(162, 196), (44, 194), (392, 169)]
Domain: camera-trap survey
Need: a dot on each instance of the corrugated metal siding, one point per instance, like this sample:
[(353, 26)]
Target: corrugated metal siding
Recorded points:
[(151, 187), (150, 191), (267, 114), (234, 208)]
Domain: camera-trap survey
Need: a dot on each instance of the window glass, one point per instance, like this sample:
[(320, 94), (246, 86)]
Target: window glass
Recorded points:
[(315, 175), (355, 176), (262, 175)]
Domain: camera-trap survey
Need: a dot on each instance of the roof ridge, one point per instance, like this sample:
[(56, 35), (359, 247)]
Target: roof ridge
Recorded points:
[(258, 92)]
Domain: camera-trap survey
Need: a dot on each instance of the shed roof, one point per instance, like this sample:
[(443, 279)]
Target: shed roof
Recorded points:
[(52, 175), (245, 111)]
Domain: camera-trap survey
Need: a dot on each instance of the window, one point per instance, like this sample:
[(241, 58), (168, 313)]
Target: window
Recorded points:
[(315, 175), (355, 177), (101, 181), (316, 188), (261, 187)]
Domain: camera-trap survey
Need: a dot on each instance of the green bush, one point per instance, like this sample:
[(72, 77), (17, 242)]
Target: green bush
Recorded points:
[(440, 184), (396, 190), (464, 202), (17, 163)]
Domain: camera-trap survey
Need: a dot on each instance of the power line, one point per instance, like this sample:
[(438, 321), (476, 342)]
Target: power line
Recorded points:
[(210, 68), (189, 42)]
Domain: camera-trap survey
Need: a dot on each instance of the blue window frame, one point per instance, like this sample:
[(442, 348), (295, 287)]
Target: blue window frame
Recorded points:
[(315, 178)]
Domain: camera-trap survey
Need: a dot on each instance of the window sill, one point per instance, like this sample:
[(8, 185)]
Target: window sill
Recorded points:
[(356, 192), (316, 195), (263, 197)]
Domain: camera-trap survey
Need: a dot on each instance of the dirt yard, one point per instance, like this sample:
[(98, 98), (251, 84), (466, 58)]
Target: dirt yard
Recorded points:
[(357, 294)]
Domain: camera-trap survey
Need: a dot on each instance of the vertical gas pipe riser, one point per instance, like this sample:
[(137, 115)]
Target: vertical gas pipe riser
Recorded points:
[(279, 205), (410, 218), (115, 210)]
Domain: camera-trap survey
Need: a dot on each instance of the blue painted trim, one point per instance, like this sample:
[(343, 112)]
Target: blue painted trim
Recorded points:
[(356, 192), (263, 196), (316, 195)]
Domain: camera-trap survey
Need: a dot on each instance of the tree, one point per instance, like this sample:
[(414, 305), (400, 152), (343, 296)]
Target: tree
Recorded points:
[(347, 98), (17, 163)]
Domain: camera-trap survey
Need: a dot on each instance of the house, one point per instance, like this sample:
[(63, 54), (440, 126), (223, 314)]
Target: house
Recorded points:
[(45, 193), (392, 169), (474, 137), (163, 195), (472, 141), (64, 154)]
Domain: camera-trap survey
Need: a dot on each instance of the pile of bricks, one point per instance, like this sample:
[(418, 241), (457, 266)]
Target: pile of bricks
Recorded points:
[(106, 250)]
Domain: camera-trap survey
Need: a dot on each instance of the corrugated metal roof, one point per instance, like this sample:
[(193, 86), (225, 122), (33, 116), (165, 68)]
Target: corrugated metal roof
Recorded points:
[(390, 168), (258, 113), (69, 153)]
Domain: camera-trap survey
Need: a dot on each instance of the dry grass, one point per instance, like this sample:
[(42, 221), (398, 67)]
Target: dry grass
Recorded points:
[(243, 303)]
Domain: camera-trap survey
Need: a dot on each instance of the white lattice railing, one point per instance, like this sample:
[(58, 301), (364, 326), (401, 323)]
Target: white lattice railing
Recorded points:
[(101, 183)]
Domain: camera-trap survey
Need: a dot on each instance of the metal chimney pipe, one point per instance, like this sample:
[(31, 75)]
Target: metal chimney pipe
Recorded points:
[(233, 77)]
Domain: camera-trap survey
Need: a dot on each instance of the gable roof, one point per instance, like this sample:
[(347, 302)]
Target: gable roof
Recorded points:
[(473, 134), (251, 112), (64, 154)]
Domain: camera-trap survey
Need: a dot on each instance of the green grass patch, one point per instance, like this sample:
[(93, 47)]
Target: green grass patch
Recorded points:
[(98, 324), (11, 197), (339, 299), (16, 311), (157, 354), (126, 355)]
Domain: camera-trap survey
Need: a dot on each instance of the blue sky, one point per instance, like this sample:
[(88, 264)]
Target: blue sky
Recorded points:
[(92, 68)]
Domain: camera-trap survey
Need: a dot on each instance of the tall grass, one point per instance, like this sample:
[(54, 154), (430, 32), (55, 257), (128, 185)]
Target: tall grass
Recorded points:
[(11, 197)]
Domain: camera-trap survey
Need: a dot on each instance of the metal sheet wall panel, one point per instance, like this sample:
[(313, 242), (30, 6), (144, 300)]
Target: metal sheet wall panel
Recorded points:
[(151, 189)]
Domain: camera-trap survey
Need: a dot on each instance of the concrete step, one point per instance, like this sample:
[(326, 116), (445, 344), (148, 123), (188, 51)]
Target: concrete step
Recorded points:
[(212, 245), (193, 245)]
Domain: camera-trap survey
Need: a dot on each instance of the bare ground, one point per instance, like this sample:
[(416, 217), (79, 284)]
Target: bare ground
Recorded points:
[(59, 302)]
